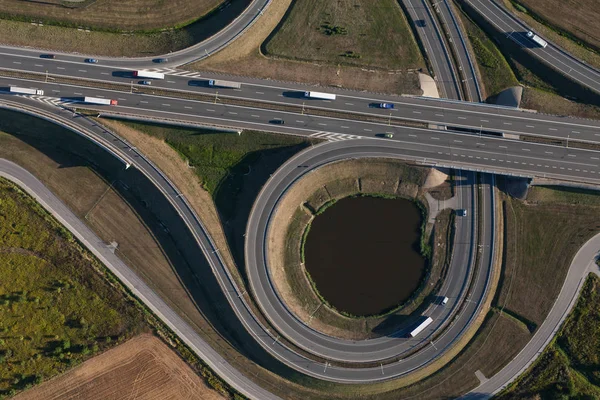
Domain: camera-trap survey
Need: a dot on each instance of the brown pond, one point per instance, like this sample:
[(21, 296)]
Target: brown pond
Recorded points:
[(363, 254)]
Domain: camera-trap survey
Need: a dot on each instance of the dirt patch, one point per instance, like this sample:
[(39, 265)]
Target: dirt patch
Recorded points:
[(296, 210), (141, 368), (245, 55)]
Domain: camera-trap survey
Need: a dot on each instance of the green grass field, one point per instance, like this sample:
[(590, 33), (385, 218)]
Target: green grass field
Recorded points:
[(570, 367), (353, 32), (215, 155), (56, 309), (495, 71)]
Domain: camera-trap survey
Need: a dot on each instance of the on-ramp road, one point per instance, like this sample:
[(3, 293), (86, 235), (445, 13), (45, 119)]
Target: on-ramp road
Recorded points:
[(582, 264)]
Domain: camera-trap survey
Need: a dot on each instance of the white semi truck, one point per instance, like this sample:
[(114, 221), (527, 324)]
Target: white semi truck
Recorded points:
[(20, 90), (419, 328), (148, 75), (538, 40), (319, 95), (224, 84), (99, 101)]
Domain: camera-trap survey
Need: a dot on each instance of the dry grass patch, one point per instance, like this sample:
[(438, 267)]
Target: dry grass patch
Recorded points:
[(542, 238), (123, 15), (245, 55), (99, 43), (549, 103), (362, 33), (141, 368)]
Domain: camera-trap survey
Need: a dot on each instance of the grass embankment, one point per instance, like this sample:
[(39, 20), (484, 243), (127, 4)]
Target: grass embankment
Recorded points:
[(543, 87), (123, 16), (222, 161), (56, 308), (573, 27), (568, 368), (352, 44), (495, 71), (109, 29), (360, 33)]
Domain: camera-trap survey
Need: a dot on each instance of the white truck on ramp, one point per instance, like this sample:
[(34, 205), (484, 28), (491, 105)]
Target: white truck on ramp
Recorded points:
[(419, 328)]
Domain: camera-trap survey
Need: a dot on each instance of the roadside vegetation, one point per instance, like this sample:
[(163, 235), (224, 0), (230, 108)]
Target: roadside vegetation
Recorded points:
[(352, 44), (360, 33), (574, 26), (544, 89), (129, 15), (495, 71), (56, 307), (568, 368)]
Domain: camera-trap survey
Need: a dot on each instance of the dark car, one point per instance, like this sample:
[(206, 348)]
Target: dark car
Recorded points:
[(91, 60), (420, 23), (461, 212), (161, 60), (277, 121), (51, 56), (386, 105), (148, 83)]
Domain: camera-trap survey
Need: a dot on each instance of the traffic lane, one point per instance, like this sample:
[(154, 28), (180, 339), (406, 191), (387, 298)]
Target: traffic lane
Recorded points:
[(469, 78), (435, 48), (569, 66), (496, 119), (582, 264), (259, 119)]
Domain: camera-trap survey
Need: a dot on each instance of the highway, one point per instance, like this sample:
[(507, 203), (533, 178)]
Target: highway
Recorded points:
[(582, 264), (488, 153), (475, 116)]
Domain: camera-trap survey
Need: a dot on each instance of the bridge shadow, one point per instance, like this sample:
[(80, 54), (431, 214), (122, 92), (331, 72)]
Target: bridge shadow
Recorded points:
[(70, 150)]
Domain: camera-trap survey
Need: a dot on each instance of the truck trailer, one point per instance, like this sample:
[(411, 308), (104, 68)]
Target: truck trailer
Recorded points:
[(20, 90), (148, 75), (319, 95), (419, 328), (99, 101), (538, 40), (224, 84)]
